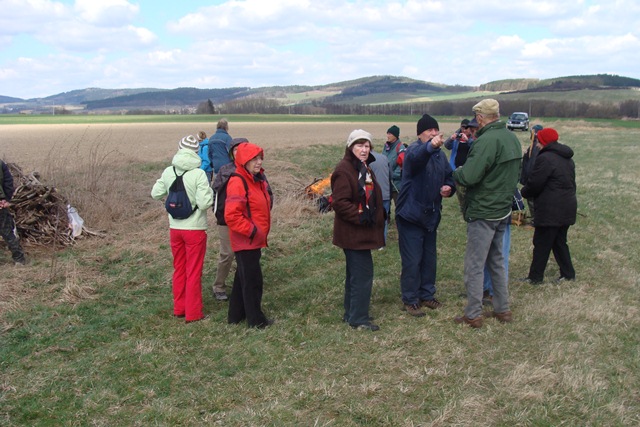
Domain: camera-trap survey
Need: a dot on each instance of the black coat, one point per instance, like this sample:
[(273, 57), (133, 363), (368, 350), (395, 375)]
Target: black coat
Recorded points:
[(552, 186)]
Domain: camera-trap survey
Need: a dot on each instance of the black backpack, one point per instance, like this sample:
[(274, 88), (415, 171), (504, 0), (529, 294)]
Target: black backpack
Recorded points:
[(178, 204), (221, 196)]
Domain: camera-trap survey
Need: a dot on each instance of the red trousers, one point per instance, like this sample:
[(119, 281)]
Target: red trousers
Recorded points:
[(188, 248)]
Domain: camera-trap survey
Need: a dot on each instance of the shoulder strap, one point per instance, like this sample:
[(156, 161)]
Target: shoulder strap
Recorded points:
[(246, 190)]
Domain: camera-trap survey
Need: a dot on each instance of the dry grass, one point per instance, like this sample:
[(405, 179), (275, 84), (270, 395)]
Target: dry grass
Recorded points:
[(570, 358)]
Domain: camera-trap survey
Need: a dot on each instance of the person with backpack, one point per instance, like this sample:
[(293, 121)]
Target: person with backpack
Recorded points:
[(247, 213), (7, 223), (203, 152), (187, 232), (225, 257), (219, 146)]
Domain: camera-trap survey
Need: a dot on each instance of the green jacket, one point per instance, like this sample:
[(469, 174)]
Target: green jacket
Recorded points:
[(197, 186), (490, 173)]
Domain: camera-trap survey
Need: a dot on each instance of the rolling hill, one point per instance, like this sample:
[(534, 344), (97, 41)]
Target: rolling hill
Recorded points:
[(373, 90)]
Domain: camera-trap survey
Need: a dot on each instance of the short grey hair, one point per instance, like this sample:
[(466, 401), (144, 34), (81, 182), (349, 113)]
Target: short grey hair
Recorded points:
[(223, 124)]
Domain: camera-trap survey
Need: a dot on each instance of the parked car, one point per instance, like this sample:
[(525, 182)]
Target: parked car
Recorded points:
[(518, 120)]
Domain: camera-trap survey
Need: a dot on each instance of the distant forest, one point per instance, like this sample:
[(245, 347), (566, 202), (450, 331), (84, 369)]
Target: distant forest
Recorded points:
[(536, 108)]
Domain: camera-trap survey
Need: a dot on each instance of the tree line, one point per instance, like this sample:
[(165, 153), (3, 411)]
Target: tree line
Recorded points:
[(462, 108)]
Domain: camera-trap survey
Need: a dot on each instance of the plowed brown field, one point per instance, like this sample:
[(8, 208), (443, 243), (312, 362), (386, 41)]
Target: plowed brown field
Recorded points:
[(31, 145)]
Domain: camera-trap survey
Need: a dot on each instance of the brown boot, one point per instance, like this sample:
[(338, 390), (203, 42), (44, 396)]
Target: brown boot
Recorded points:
[(505, 317), (474, 323), (414, 310)]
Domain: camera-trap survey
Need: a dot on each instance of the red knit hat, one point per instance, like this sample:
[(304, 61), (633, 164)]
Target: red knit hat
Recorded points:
[(547, 135)]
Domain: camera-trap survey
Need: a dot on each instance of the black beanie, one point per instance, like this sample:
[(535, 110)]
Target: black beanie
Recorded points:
[(427, 122), (394, 130)]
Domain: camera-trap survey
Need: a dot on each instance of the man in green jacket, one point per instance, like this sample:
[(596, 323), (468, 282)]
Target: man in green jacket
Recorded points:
[(490, 175)]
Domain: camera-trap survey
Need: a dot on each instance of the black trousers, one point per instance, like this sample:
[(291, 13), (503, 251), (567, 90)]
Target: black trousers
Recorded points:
[(545, 240), (246, 294), (7, 231)]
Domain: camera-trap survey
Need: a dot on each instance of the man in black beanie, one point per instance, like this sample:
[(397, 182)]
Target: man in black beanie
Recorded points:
[(394, 151), (426, 179)]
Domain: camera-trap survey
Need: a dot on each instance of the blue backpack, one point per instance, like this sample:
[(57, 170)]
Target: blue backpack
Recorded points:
[(178, 204)]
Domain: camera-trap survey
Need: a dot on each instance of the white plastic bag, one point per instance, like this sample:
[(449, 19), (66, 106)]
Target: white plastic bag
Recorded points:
[(75, 221)]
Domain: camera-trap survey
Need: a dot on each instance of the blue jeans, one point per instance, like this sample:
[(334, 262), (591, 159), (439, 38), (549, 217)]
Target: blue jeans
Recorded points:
[(419, 261), (357, 286), (506, 247)]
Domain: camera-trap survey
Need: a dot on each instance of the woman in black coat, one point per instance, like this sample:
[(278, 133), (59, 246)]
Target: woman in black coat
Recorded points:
[(552, 185)]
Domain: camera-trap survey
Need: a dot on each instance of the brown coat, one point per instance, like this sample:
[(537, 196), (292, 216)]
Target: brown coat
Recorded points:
[(348, 232)]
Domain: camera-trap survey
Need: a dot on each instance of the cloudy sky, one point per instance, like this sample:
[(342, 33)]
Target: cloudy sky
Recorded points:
[(53, 46)]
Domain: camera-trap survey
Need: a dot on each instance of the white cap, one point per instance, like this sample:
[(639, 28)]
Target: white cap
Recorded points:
[(356, 135)]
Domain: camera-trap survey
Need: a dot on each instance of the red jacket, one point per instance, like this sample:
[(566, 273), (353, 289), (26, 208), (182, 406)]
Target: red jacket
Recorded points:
[(247, 213)]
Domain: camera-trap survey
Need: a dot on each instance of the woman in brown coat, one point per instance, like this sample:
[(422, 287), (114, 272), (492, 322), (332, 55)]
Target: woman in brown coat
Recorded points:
[(358, 225)]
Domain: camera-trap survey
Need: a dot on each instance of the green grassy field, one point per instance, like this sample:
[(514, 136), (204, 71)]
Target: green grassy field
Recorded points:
[(95, 344)]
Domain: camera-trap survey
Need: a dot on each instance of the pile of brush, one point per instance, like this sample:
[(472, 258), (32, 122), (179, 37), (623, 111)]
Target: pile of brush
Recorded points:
[(40, 212)]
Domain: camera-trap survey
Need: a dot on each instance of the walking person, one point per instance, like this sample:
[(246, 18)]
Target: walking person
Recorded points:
[(490, 176), (248, 215), (188, 236), (426, 179), (358, 225), (552, 186), (7, 223)]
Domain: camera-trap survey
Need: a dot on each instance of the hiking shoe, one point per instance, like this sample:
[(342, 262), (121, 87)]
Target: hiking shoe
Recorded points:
[(414, 310), (474, 323), (504, 317), (564, 279), (531, 281), (366, 327), (432, 304), (220, 296)]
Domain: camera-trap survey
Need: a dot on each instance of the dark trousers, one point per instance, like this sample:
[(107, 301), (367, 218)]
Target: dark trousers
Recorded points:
[(7, 231), (246, 295), (419, 262), (357, 286), (545, 240)]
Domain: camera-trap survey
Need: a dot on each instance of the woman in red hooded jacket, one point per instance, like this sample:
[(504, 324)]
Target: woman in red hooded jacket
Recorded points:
[(248, 215)]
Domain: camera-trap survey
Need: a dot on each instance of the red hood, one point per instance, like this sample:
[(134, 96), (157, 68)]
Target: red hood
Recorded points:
[(246, 152)]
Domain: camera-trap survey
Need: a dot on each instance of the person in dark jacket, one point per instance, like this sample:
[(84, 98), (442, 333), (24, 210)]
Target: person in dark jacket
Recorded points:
[(552, 185), (528, 160), (358, 225), (7, 223), (426, 179)]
